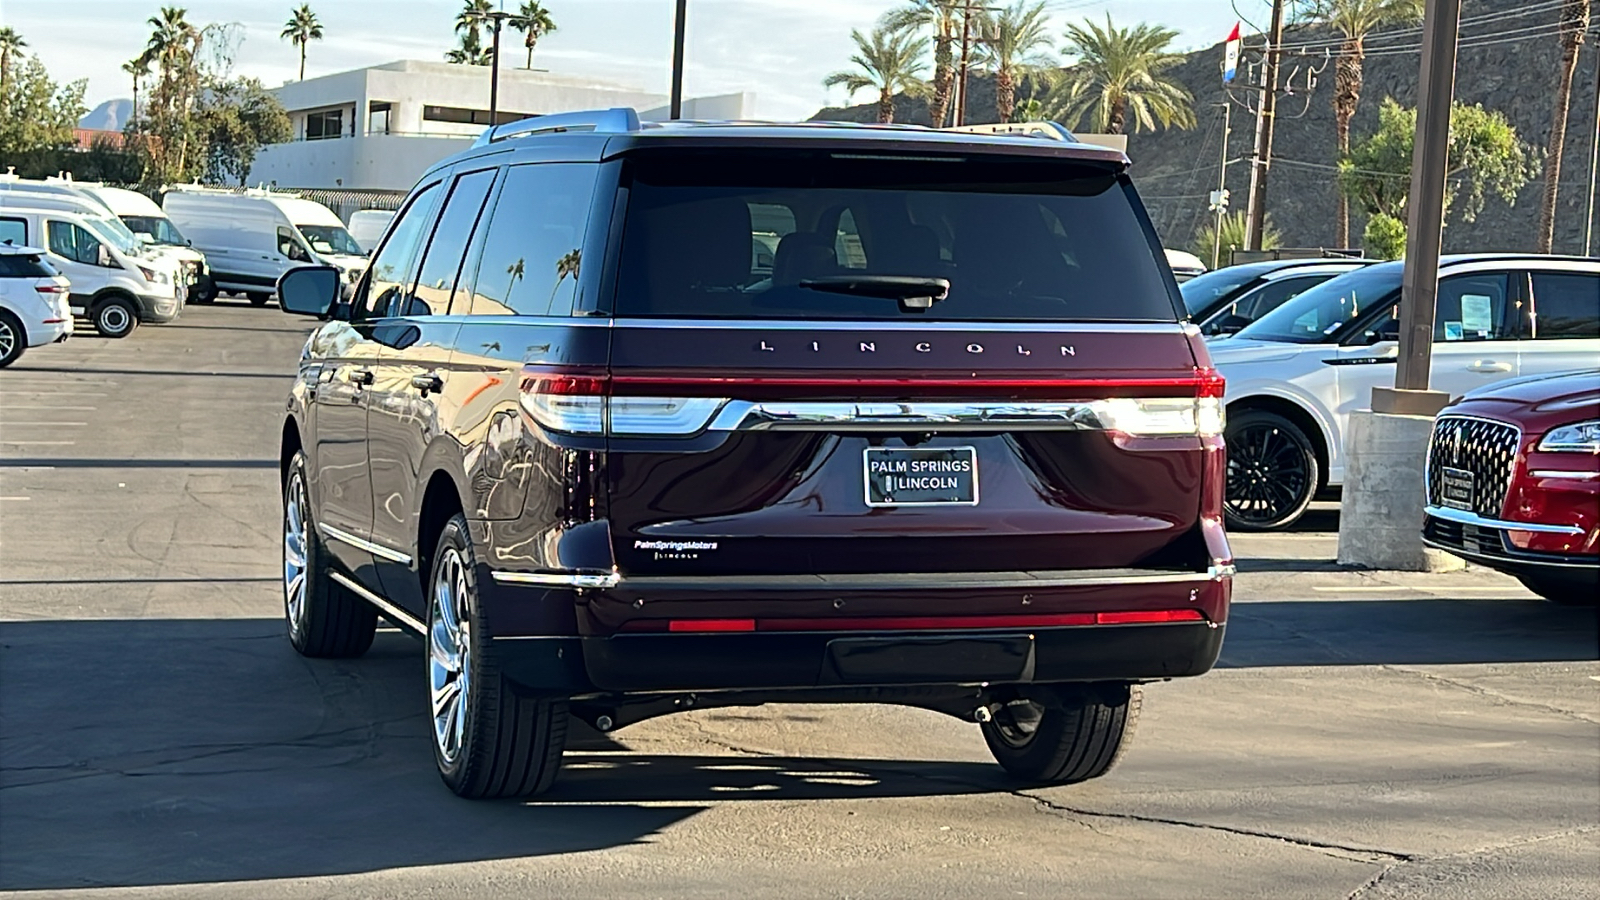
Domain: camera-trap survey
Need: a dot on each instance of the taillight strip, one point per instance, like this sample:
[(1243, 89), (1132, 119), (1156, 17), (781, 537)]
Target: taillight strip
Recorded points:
[(917, 623)]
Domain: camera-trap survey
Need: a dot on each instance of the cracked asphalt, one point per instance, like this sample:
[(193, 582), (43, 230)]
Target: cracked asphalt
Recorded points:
[(1367, 734)]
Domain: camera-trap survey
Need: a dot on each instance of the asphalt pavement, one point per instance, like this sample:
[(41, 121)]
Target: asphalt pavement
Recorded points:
[(1366, 735)]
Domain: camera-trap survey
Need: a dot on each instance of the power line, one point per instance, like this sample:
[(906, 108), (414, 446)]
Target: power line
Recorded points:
[(1413, 32)]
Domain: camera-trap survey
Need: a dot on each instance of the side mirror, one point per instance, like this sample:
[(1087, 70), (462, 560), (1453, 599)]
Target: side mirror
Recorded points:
[(1390, 331), (309, 290), (102, 256)]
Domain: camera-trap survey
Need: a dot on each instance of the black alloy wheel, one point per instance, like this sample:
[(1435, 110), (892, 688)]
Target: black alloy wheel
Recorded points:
[(203, 291), (1272, 472)]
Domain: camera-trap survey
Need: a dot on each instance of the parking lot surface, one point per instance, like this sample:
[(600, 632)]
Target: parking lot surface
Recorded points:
[(1366, 734)]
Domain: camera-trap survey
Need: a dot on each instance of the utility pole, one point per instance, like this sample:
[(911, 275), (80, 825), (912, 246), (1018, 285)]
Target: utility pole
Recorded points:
[(1594, 153), (970, 38), (1261, 161), (677, 59), (1419, 286)]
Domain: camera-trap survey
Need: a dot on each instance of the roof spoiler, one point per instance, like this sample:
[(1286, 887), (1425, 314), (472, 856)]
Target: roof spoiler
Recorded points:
[(616, 120)]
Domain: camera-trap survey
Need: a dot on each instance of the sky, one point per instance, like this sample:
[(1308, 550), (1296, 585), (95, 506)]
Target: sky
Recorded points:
[(779, 49)]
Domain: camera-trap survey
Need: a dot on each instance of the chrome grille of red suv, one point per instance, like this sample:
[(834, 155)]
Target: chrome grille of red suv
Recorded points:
[(1485, 448)]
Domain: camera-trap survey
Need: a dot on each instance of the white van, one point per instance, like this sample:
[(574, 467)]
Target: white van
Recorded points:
[(114, 285), (251, 238), (150, 224), (64, 193), (367, 226), (165, 259)]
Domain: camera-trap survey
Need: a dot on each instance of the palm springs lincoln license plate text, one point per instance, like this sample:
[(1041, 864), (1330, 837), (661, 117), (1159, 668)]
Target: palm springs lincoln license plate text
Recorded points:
[(921, 475)]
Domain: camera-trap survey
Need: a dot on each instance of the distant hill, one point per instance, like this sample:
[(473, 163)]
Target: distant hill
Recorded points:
[(1176, 169), (111, 115)]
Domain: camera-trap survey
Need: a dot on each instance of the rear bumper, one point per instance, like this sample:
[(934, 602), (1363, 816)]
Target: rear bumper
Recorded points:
[(643, 663)]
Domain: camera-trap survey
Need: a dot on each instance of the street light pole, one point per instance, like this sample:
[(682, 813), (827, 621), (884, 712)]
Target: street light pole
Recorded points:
[(1419, 286), (1222, 185), (677, 59), (498, 18), (1594, 153)]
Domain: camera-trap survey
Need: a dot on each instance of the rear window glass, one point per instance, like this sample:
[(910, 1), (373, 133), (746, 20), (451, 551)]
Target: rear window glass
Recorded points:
[(716, 235), (25, 265)]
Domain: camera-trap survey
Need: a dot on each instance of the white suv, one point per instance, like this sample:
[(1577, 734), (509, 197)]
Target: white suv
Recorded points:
[(33, 302), (1295, 375)]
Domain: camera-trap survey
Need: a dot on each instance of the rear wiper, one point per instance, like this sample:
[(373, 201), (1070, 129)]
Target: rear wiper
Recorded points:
[(915, 293)]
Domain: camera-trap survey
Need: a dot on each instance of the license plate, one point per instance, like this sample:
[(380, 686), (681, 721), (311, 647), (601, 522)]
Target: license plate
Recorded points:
[(1456, 488), (921, 476)]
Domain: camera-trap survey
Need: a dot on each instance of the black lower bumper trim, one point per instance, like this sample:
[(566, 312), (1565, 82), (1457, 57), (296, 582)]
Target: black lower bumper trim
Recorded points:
[(711, 662)]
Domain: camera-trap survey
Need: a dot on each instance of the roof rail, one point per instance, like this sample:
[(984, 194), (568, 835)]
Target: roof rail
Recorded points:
[(615, 120)]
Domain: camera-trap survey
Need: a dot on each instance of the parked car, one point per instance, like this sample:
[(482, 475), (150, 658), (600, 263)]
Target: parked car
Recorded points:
[(1184, 265), (1295, 375), (33, 302), (150, 223), (114, 285), (252, 238), (367, 225), (1514, 483), (63, 194), (1226, 300), (954, 450)]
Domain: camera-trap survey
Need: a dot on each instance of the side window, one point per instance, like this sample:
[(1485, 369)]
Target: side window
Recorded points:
[(290, 246), (534, 244), (1565, 305), (391, 265), (72, 242), (1472, 308), (441, 262), (1271, 295), (14, 232)]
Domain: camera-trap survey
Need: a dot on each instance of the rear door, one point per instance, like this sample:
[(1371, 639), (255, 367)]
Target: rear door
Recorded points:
[(839, 413), (1564, 332)]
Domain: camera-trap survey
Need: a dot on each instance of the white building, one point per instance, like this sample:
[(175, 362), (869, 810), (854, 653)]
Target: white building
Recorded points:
[(380, 128)]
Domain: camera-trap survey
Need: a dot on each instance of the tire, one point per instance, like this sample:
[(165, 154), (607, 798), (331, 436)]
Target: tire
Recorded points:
[(204, 291), (1272, 472), (325, 619), (13, 339), (1069, 738), (116, 317), (258, 299), (1576, 590), (489, 741)]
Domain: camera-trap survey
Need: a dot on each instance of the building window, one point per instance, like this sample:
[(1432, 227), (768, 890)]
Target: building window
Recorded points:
[(322, 125), (465, 116), (378, 118)]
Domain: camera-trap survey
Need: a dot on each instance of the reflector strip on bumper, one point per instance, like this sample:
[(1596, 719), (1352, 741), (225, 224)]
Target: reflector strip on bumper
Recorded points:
[(917, 623)]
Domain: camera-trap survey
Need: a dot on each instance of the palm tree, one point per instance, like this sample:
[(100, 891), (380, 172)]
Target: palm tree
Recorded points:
[(468, 24), (138, 67), (1015, 37), (169, 39), (1121, 72), (944, 18), (890, 61), (1574, 22), (301, 29), (1354, 20), (534, 21), (11, 45)]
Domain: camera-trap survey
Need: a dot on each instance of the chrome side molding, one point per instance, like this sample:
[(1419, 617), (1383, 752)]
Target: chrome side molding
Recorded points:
[(378, 550), (395, 613)]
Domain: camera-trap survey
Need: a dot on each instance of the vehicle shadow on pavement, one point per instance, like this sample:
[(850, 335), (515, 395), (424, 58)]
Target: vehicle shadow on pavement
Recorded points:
[(1434, 631), (164, 752)]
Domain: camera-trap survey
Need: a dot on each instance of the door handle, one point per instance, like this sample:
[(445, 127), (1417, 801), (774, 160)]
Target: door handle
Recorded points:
[(428, 381), (1488, 365), (363, 377)]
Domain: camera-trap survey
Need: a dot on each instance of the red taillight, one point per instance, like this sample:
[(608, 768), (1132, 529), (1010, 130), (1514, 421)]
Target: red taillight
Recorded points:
[(711, 625), (1210, 382), (916, 623), (50, 289)]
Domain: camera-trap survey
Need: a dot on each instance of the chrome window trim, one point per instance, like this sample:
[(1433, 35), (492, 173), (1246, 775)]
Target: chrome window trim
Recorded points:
[(744, 415), (1470, 518), (378, 550), (389, 609), (560, 579)]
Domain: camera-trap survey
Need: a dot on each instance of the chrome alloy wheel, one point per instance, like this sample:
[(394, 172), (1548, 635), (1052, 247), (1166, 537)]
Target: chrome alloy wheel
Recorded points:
[(8, 339), (1018, 721), (113, 318), (449, 654), (294, 553)]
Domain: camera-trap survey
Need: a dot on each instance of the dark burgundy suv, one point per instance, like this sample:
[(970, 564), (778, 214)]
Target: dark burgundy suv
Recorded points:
[(628, 419)]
